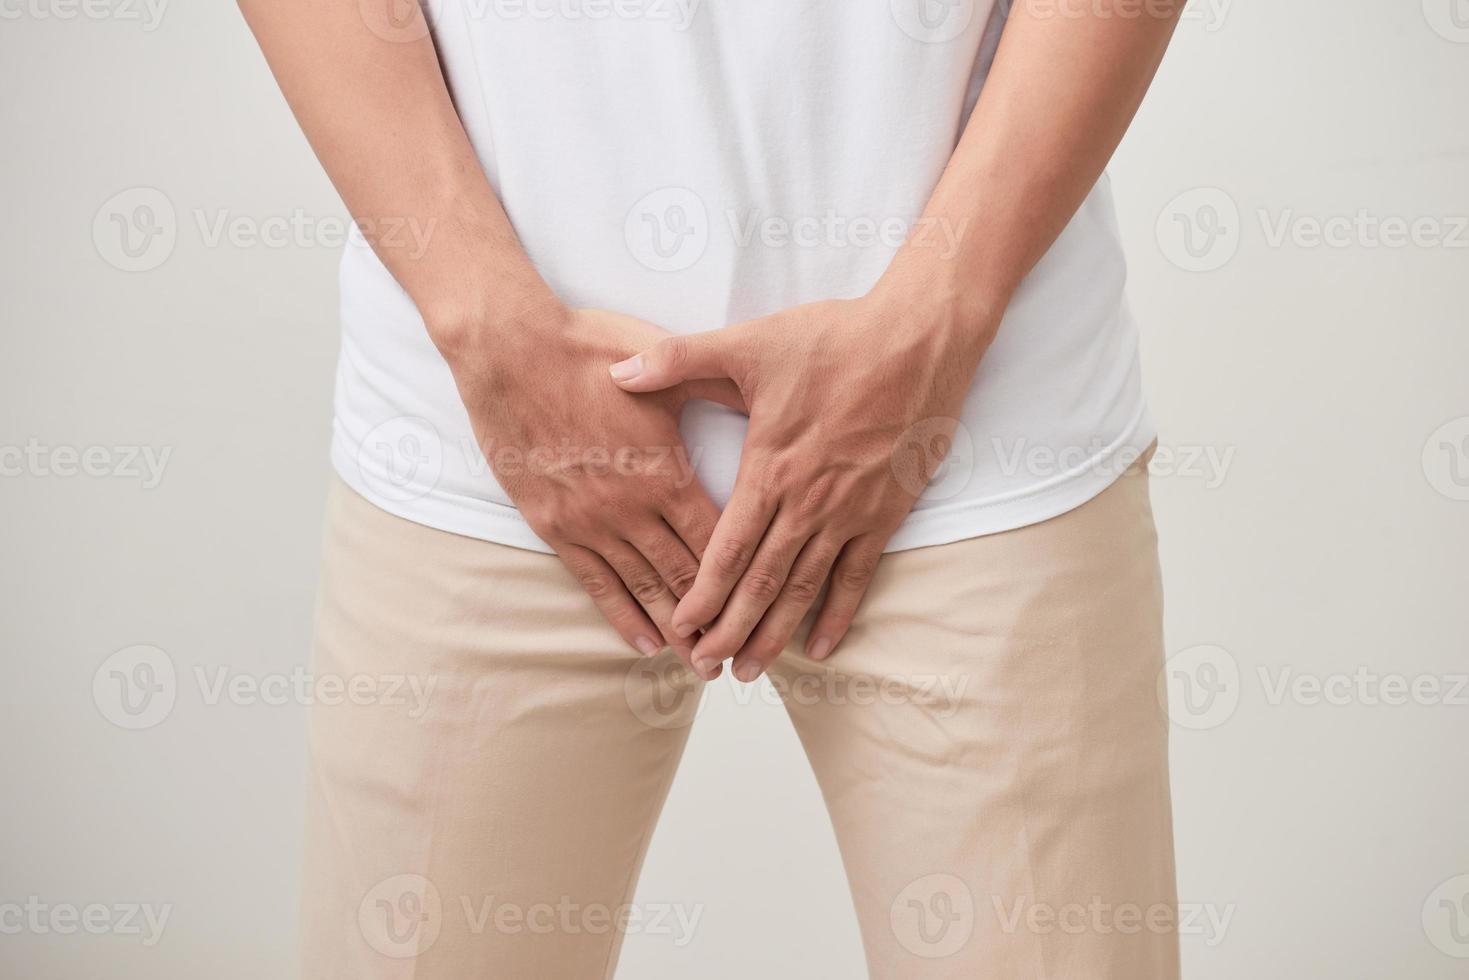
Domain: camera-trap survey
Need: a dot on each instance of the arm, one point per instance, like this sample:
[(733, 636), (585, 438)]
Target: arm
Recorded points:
[(813, 501), (531, 372)]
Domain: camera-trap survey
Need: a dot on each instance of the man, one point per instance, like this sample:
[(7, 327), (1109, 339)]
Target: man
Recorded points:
[(784, 334)]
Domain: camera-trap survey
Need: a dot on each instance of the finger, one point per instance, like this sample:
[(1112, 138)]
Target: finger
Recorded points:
[(605, 587), (736, 535), (721, 390), (693, 517), (670, 558), (650, 591), (691, 357), (849, 580), (779, 624), (752, 596)]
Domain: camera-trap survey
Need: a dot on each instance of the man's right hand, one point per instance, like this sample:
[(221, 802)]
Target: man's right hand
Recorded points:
[(601, 475)]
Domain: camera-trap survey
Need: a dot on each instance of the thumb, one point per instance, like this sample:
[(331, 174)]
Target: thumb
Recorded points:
[(673, 360)]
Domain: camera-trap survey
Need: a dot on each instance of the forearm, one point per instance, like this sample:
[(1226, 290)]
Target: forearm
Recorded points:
[(1067, 79), (379, 116)]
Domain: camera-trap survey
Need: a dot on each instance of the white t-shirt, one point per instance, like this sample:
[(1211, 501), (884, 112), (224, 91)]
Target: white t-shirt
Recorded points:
[(697, 164)]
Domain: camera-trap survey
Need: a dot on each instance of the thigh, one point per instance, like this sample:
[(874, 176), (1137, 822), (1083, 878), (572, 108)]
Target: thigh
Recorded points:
[(994, 757), (483, 788)]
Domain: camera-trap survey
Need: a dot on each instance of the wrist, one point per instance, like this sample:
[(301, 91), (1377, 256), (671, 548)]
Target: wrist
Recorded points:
[(503, 319), (957, 304)]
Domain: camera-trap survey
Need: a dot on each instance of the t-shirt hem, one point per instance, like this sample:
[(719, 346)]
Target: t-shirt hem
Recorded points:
[(486, 520)]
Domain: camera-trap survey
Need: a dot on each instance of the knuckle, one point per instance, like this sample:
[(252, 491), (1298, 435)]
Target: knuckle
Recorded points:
[(856, 572), (816, 498), (731, 557), (646, 587), (596, 583), (548, 521), (681, 580), (767, 647), (761, 585), (674, 353), (803, 587)]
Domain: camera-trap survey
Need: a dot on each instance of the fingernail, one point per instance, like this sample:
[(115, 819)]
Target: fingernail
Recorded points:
[(820, 649), (647, 646), (749, 670), (628, 369), (684, 629), (707, 667)]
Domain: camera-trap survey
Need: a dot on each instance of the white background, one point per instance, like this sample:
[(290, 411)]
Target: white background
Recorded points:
[(1334, 540)]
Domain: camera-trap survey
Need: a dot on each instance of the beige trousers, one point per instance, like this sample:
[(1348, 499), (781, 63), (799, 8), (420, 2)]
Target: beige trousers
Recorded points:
[(484, 787)]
